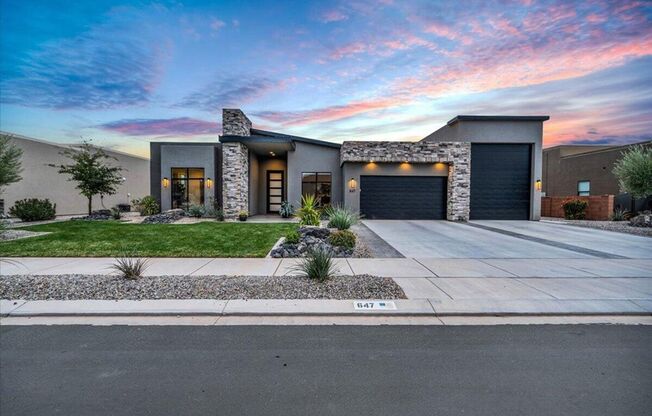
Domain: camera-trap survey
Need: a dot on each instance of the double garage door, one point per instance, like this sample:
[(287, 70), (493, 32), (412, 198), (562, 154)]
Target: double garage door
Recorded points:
[(500, 188)]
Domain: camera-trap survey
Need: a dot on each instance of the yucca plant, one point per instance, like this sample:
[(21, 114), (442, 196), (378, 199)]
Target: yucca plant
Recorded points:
[(619, 215), (342, 218), (130, 267), (308, 213), (318, 264)]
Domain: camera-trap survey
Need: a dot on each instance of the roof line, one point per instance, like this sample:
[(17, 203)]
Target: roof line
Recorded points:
[(69, 145), (495, 118), (289, 137)]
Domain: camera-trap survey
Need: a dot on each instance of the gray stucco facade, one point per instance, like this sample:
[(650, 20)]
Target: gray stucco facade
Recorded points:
[(245, 155)]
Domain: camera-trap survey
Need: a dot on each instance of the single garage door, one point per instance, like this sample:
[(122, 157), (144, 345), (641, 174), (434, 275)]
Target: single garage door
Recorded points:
[(500, 181), (403, 197)]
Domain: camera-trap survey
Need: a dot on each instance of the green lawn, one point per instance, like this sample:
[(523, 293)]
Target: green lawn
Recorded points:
[(100, 239)]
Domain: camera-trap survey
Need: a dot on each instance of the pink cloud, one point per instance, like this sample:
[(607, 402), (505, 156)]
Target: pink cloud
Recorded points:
[(182, 126), (348, 50), (333, 16)]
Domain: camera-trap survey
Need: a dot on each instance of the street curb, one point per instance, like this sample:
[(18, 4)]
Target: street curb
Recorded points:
[(281, 308)]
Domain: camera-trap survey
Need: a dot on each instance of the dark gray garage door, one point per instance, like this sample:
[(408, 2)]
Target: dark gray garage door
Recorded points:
[(500, 181), (403, 197)]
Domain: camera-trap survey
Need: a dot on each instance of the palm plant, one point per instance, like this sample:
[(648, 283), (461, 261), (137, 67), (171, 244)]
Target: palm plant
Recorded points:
[(308, 214)]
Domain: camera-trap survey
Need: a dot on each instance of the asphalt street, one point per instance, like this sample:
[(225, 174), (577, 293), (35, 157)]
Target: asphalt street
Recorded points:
[(326, 370)]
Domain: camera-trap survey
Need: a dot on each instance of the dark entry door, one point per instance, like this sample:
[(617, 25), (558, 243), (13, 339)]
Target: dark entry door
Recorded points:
[(275, 190), (500, 181), (403, 197)]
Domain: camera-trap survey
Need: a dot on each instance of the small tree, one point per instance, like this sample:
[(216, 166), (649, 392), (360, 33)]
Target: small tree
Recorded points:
[(92, 174), (634, 171), (10, 165)]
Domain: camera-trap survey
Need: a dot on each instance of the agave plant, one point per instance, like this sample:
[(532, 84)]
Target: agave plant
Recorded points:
[(130, 267), (318, 264), (308, 214)]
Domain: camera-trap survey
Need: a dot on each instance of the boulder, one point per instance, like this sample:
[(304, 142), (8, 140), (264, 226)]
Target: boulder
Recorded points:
[(644, 219)]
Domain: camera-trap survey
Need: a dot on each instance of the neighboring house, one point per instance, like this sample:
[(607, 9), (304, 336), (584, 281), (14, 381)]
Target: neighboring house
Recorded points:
[(42, 181), (585, 170), (475, 167)]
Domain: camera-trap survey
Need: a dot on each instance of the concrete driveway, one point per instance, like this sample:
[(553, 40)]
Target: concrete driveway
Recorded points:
[(507, 240)]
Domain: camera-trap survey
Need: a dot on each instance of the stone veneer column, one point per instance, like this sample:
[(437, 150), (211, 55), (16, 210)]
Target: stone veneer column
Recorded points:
[(235, 179), (459, 191), (235, 123)]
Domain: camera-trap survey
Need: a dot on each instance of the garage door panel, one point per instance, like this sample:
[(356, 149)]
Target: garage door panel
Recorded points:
[(403, 197), (500, 181)]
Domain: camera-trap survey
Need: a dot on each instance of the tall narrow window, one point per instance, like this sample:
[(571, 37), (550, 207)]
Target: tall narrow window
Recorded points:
[(187, 187), (318, 184), (583, 188)]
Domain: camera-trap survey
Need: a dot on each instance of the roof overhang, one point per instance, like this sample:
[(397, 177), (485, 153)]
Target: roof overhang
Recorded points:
[(496, 118)]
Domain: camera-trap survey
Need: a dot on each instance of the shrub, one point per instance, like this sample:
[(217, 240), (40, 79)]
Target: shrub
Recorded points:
[(575, 209), (243, 215), (342, 218), (130, 267), (197, 211), (34, 209), (219, 214), (115, 213), (634, 171), (318, 264), (292, 237), (287, 209), (147, 206), (342, 238), (308, 213), (619, 215)]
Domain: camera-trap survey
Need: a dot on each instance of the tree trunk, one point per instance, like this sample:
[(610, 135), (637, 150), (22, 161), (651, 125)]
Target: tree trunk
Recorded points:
[(90, 205)]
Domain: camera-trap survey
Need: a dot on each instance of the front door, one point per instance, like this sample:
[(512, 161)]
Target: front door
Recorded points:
[(275, 190)]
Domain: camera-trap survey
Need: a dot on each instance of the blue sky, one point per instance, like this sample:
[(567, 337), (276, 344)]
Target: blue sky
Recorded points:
[(125, 73)]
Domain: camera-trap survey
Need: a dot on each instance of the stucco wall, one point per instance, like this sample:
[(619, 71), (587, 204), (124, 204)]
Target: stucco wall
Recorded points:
[(313, 158), (501, 132), (195, 155), (42, 181), (355, 170), (254, 183)]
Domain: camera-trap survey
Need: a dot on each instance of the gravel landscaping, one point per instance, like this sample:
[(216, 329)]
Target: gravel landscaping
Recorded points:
[(75, 286), (9, 235), (617, 226)]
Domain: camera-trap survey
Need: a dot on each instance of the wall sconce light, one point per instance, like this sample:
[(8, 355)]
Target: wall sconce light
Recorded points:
[(209, 183), (165, 182), (537, 185), (353, 184)]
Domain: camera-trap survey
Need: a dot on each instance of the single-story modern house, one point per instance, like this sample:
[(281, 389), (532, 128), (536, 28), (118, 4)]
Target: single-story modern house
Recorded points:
[(587, 170), (42, 181), (475, 167)]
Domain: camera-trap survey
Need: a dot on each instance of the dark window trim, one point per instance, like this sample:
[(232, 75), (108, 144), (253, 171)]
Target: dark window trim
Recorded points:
[(267, 187), (588, 193), (187, 196), (316, 181)]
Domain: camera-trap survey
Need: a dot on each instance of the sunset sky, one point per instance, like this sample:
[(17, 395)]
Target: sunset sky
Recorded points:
[(126, 73)]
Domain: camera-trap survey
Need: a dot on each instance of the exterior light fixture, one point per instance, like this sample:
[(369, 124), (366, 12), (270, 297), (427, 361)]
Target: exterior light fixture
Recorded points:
[(209, 182), (272, 154), (353, 184), (537, 185), (165, 182)]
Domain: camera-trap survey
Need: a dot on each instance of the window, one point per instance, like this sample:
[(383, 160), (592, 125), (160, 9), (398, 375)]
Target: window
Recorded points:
[(187, 187), (318, 184), (583, 188)]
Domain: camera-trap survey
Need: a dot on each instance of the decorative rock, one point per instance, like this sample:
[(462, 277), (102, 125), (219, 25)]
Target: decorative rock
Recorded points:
[(166, 217), (644, 219), (310, 238)]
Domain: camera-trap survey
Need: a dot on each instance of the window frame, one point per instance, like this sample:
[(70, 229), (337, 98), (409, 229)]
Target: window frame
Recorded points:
[(584, 193), (316, 182), (186, 180)]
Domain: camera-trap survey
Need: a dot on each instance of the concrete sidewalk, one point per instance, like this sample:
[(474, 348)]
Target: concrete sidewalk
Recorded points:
[(386, 267)]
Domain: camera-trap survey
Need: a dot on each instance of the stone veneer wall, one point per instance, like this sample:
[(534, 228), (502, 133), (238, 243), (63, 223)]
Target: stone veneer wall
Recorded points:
[(456, 154), (235, 123), (235, 179)]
